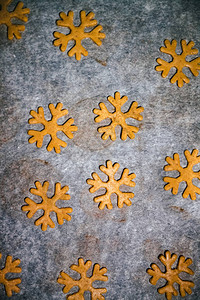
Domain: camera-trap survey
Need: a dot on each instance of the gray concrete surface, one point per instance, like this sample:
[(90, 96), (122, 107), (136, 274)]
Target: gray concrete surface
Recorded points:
[(35, 73)]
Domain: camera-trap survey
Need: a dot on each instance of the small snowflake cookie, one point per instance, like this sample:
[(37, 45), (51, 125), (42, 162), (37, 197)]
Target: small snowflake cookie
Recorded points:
[(186, 174), (85, 282), (112, 186), (18, 13), (48, 205), (171, 275), (78, 33), (118, 118), (178, 61), (11, 266), (51, 127)]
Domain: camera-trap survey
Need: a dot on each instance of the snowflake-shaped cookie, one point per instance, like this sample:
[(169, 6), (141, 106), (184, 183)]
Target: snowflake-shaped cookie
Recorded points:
[(18, 13), (112, 186), (185, 174), (11, 266), (77, 33), (171, 275), (51, 127), (85, 282), (48, 205), (178, 61), (118, 118)]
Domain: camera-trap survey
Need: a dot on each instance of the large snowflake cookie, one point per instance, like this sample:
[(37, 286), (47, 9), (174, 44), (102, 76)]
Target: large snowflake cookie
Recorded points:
[(85, 282), (10, 284), (78, 33), (51, 127), (19, 13), (171, 275), (178, 61), (186, 174), (112, 186), (48, 205), (118, 118)]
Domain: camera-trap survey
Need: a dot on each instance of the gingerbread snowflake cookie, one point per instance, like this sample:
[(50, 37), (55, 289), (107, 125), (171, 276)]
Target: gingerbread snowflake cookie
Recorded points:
[(51, 127), (78, 33), (179, 61), (6, 17), (186, 174), (85, 282), (171, 275), (48, 205), (118, 117), (11, 267), (112, 186)]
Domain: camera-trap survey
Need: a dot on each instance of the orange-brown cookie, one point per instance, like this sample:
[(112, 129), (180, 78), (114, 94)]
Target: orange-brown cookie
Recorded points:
[(85, 282), (11, 266), (78, 33), (171, 275), (112, 186), (178, 61), (186, 174), (118, 118), (48, 205), (51, 127), (18, 13)]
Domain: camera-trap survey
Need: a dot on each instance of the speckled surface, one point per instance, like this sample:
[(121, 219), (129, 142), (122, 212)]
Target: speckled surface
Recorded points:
[(35, 73)]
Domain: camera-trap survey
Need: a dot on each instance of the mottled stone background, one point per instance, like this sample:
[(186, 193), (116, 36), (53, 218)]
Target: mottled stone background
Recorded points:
[(35, 73)]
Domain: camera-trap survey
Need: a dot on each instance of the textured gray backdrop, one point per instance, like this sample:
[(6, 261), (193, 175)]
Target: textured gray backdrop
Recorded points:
[(35, 73)]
